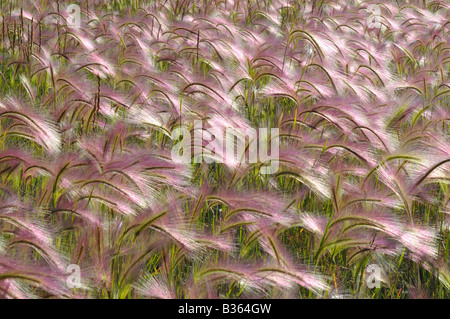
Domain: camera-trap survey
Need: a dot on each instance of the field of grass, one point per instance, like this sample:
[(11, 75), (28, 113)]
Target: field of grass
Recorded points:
[(92, 204)]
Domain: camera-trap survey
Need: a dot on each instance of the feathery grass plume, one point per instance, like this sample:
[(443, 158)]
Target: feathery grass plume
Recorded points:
[(358, 90)]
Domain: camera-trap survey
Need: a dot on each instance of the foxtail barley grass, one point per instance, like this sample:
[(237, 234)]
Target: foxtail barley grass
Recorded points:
[(92, 205)]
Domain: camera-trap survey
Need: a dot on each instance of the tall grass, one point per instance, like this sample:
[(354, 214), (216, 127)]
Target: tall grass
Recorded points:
[(86, 176)]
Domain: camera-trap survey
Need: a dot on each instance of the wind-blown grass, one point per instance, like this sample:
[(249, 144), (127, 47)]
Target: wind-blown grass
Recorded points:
[(86, 175)]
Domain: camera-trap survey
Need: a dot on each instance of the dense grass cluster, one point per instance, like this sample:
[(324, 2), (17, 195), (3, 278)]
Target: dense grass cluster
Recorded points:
[(87, 179)]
